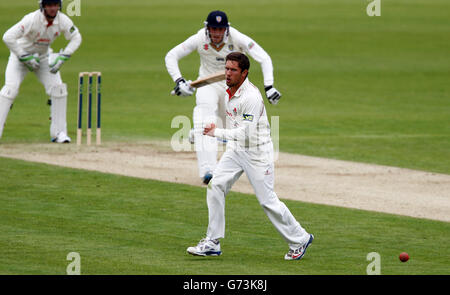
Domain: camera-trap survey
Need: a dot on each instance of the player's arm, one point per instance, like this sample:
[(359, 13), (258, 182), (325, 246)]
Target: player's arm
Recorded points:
[(16, 32), (261, 56), (182, 87), (251, 112), (71, 34)]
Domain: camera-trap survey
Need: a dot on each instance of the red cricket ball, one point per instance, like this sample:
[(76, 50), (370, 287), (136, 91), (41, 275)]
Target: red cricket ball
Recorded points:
[(403, 257)]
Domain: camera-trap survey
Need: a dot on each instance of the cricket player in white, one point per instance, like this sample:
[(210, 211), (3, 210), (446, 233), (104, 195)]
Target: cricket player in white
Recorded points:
[(249, 150), (213, 43), (29, 42)]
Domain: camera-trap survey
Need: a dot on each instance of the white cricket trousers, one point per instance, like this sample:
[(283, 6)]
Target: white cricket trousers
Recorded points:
[(208, 109), (259, 167), (54, 87)]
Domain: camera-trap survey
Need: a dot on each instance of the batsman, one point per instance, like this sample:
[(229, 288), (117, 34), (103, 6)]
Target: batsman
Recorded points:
[(213, 43), (29, 42)]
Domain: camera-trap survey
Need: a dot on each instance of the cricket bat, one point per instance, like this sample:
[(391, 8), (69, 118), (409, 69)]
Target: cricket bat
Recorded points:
[(216, 77)]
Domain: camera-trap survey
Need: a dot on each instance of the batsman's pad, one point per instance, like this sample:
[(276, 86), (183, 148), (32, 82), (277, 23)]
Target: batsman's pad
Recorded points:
[(58, 109)]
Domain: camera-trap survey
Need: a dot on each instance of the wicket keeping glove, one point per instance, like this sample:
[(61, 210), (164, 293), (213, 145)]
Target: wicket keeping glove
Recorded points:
[(183, 88), (272, 94), (31, 61), (55, 61)]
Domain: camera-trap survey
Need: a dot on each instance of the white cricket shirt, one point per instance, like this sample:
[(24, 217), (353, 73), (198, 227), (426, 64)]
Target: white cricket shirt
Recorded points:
[(247, 125)]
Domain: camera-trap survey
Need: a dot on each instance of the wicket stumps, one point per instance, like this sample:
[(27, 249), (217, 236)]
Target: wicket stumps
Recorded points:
[(90, 76)]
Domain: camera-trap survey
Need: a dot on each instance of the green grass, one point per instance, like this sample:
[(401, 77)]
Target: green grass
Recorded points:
[(359, 88), (124, 225)]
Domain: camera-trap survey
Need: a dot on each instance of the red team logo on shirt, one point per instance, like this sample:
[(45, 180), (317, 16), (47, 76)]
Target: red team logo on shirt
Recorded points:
[(206, 46)]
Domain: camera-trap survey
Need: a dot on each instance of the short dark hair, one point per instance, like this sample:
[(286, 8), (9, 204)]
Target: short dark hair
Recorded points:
[(242, 60)]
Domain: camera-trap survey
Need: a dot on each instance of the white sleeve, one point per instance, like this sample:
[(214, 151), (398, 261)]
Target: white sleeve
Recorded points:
[(251, 113), (257, 53), (72, 34), (16, 32), (178, 52)]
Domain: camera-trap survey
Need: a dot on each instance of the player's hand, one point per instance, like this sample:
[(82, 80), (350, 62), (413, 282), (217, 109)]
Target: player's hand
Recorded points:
[(209, 129), (272, 94), (183, 88), (31, 61), (55, 61)]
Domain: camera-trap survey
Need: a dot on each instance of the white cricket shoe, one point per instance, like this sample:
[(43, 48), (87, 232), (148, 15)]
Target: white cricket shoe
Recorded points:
[(206, 247), (298, 253), (61, 138)]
